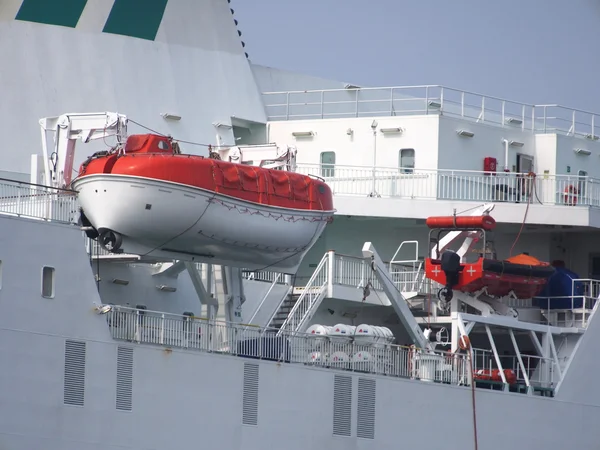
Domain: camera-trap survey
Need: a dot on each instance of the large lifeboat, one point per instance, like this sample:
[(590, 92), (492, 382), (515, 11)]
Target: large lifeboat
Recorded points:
[(153, 201), (523, 276)]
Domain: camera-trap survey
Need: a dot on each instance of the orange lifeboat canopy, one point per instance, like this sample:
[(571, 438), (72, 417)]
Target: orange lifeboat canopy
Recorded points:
[(148, 143), (462, 222), (526, 260)]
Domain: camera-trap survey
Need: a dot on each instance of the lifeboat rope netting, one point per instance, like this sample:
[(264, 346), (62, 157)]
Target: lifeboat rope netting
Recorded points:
[(210, 201), (256, 211), (286, 218)]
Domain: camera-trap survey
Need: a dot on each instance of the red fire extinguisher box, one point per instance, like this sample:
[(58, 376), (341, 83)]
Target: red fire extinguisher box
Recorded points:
[(489, 165)]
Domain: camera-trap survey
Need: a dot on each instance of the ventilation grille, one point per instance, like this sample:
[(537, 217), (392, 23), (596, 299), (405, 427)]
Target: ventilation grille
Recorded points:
[(342, 405), (124, 378), (74, 373), (250, 395), (365, 411)]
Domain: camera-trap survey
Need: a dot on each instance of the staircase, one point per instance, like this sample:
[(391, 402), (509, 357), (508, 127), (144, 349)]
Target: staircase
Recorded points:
[(297, 309), (284, 311), (309, 300)]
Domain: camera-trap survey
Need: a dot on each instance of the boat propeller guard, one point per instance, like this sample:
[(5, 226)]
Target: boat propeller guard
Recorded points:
[(110, 240)]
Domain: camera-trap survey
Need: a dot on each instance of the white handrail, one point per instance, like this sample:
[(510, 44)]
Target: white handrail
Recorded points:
[(258, 308), (299, 307), (429, 99)]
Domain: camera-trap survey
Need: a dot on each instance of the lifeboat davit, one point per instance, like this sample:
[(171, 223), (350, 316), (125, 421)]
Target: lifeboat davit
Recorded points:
[(153, 201), (522, 275)]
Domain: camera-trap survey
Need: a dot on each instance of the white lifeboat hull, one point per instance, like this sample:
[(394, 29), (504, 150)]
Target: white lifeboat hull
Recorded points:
[(165, 220)]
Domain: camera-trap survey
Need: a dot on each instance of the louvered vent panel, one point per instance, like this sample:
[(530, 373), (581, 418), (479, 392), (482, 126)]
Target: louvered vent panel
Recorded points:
[(74, 387), (250, 395), (365, 413), (342, 405), (124, 378)]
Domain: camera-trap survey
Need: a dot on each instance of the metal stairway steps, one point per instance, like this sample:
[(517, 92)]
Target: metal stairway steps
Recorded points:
[(284, 311)]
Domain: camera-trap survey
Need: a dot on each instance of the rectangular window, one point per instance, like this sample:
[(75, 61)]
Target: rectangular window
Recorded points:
[(327, 164), (407, 160), (48, 282)]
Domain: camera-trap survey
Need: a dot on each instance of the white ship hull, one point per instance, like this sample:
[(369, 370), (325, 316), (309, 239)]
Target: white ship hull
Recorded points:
[(166, 220), (166, 397)]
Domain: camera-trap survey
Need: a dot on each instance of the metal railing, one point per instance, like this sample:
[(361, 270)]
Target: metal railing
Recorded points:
[(51, 204), (277, 279), (37, 202), (356, 272), (574, 310), (536, 371), (425, 100), (409, 278), (342, 353), (344, 270), (459, 185), (187, 332), (312, 295), (264, 275)]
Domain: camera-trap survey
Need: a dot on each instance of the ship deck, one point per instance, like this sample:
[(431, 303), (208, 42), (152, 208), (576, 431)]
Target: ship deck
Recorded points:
[(188, 333), (354, 101)]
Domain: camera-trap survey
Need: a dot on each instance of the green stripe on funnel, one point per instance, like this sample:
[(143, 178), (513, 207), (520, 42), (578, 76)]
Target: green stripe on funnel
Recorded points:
[(65, 13), (136, 18)]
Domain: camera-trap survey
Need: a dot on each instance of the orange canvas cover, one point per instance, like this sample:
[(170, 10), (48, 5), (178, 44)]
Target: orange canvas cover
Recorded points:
[(526, 260), (280, 183), (147, 143), (231, 178), (300, 188)]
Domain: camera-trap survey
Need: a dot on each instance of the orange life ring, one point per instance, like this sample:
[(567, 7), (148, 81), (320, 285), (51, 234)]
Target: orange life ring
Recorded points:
[(570, 197)]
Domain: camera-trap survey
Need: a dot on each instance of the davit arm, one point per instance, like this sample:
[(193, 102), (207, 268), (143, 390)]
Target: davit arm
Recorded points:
[(437, 250), (419, 338), (67, 129)]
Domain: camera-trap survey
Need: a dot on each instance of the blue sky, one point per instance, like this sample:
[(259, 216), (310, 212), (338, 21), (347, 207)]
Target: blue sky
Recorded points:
[(533, 51)]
